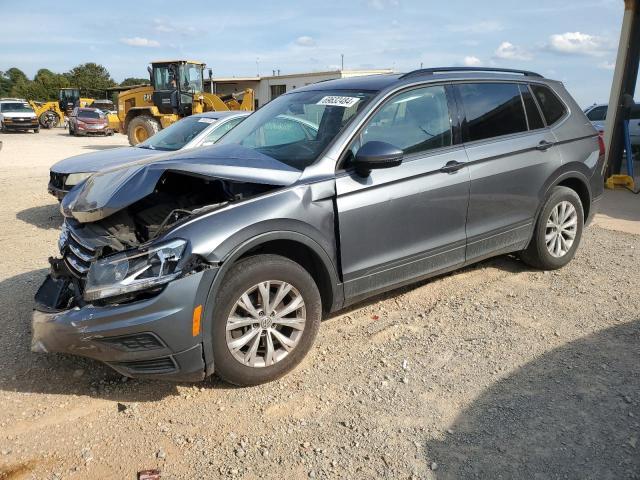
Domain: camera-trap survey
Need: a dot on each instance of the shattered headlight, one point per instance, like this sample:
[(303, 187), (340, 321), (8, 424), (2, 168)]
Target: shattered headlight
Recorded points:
[(132, 271)]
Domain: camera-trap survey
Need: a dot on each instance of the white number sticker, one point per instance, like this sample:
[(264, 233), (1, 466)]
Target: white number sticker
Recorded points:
[(337, 101), (207, 120)]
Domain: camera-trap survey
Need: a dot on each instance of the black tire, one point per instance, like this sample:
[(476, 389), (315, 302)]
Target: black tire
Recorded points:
[(537, 254), (71, 132), (36, 130), (150, 125), (241, 277)]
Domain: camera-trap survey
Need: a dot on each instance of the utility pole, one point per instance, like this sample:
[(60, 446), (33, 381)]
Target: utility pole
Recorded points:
[(342, 62), (257, 66)]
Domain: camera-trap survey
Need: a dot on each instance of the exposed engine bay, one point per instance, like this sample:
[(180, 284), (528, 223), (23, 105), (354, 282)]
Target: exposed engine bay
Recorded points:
[(177, 196)]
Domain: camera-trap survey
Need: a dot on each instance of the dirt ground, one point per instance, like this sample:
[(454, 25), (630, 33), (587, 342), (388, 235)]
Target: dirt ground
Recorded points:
[(495, 371)]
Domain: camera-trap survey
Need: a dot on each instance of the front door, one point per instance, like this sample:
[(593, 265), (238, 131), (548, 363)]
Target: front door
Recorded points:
[(403, 223)]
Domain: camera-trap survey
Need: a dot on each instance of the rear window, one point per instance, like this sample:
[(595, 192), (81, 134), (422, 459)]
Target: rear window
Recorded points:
[(551, 106), (492, 109), (89, 114)]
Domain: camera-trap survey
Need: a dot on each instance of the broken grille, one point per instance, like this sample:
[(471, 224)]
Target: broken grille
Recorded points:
[(78, 255)]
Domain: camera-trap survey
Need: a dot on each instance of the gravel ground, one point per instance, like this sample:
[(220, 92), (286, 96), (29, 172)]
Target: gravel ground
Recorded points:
[(495, 371)]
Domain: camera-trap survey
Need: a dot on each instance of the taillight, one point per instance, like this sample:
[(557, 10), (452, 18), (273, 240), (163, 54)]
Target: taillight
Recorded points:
[(601, 143)]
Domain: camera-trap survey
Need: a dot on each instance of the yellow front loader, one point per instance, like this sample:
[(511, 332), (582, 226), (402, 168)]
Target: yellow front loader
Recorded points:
[(176, 91), (52, 114)]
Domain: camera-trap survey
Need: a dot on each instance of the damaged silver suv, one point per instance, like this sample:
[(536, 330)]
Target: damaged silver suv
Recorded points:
[(225, 258)]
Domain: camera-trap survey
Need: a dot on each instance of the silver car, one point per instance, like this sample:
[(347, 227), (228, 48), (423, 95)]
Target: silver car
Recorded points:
[(225, 258), (190, 132), (597, 115)]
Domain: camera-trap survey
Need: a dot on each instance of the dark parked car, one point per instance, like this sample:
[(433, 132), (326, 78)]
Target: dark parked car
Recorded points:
[(87, 120), (225, 258)]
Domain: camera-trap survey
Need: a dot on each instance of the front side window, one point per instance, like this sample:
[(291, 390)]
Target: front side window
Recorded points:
[(552, 108), (162, 79), (413, 121), (219, 131), (597, 114), (492, 109), (296, 128)]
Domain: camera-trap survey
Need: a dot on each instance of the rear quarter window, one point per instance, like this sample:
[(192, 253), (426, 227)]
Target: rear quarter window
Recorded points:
[(552, 108)]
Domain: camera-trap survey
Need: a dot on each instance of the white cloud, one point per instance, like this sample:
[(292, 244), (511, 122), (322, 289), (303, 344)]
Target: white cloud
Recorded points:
[(509, 51), (485, 26), (140, 42), (472, 61), (577, 43), (305, 41)]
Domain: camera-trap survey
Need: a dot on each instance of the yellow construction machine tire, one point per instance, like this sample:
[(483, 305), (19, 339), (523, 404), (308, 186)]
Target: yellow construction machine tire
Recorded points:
[(49, 119), (142, 127)]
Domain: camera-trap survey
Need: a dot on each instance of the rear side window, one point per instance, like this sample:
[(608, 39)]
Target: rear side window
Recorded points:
[(552, 108), (597, 114), (533, 114), (492, 109)]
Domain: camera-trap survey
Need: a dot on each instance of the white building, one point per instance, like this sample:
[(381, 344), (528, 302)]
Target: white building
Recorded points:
[(268, 88)]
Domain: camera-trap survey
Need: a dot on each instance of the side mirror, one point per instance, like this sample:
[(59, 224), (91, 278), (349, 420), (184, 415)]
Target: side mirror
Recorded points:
[(374, 154)]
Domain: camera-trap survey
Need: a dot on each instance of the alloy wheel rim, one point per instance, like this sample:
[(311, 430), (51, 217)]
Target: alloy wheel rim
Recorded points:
[(561, 229), (266, 323)]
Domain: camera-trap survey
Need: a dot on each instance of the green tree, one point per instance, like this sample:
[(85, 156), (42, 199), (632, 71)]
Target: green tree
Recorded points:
[(130, 81), (9, 79), (91, 78), (45, 86)]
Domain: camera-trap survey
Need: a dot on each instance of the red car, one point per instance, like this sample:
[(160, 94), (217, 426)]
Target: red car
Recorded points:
[(84, 120)]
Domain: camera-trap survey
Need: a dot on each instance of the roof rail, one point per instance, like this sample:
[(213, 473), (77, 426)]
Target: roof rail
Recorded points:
[(431, 71)]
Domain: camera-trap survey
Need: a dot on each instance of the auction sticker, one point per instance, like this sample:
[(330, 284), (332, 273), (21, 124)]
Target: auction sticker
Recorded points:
[(207, 120), (337, 101)]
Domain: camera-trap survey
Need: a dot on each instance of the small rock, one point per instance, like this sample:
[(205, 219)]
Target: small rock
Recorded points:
[(312, 474), (161, 454), (78, 373), (434, 466), (405, 380)]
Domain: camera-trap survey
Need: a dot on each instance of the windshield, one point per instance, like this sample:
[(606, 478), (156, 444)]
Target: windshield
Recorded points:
[(15, 107), (296, 128), (90, 114), (191, 78), (177, 135)]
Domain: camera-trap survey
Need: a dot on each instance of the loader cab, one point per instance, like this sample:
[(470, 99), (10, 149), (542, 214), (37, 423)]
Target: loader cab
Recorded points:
[(174, 85), (67, 98)]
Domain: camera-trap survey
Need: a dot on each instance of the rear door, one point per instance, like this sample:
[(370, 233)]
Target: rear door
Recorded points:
[(401, 223), (511, 155)]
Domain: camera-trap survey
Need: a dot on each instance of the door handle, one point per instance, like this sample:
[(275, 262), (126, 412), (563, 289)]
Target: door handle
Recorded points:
[(452, 167), (544, 145)]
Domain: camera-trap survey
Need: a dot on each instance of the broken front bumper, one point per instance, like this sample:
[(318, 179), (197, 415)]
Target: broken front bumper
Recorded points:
[(147, 338)]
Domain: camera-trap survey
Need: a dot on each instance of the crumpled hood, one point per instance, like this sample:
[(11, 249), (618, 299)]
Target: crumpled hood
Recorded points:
[(102, 160), (109, 191)]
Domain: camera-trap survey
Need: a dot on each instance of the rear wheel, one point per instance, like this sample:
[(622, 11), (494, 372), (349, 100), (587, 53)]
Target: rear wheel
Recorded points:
[(266, 318), (558, 231), (142, 127)]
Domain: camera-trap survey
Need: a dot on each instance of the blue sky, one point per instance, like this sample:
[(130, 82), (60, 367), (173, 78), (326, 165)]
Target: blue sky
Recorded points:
[(573, 41)]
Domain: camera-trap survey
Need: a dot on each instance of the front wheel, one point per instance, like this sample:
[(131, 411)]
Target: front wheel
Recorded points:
[(266, 318), (558, 231), (141, 128)]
